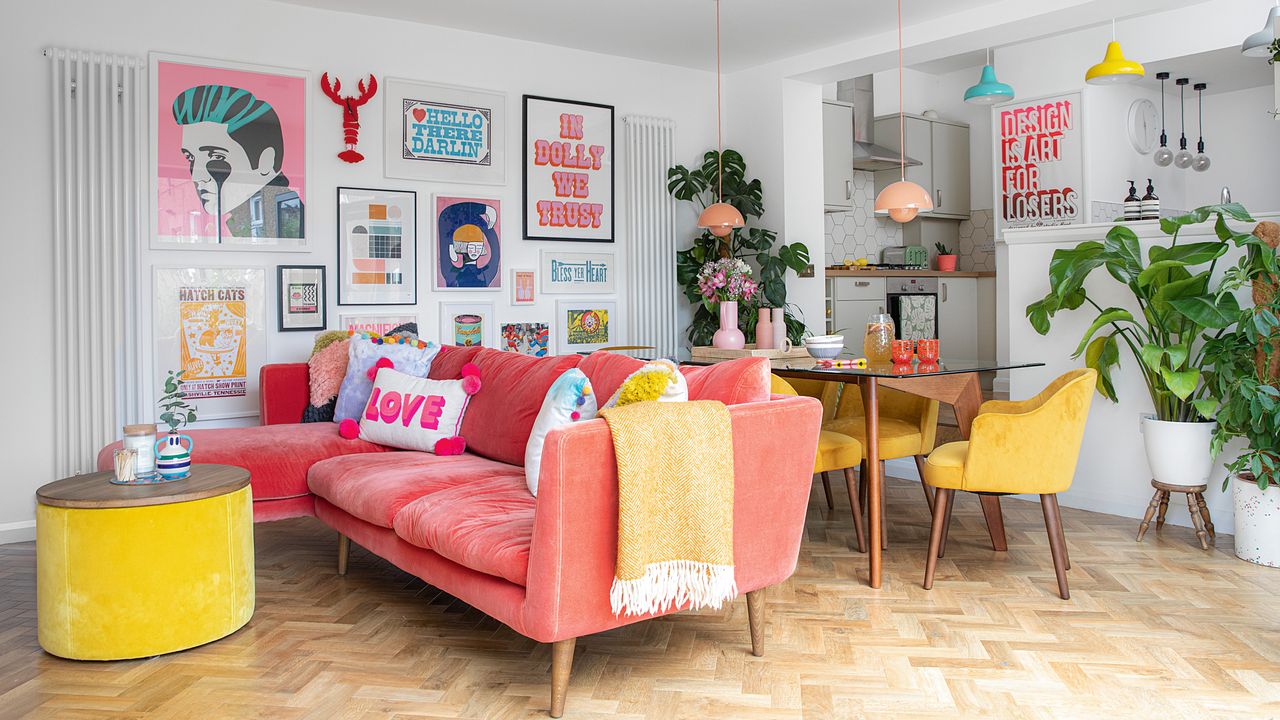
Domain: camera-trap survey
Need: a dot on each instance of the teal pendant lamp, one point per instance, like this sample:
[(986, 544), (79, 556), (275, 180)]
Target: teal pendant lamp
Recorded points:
[(988, 91)]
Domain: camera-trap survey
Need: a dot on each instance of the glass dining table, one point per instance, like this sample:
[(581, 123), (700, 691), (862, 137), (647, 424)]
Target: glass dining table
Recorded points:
[(954, 382)]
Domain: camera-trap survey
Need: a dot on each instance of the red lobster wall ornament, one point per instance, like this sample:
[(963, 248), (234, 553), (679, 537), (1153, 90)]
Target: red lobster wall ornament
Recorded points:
[(350, 112)]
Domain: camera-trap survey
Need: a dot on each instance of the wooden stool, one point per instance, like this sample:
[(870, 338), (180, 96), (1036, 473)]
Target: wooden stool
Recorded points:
[(1195, 505)]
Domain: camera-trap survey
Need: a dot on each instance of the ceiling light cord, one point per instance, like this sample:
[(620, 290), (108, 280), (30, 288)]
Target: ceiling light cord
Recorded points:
[(902, 132), (719, 139)]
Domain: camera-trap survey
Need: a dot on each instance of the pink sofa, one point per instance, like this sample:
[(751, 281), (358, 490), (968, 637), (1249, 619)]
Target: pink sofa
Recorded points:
[(468, 525)]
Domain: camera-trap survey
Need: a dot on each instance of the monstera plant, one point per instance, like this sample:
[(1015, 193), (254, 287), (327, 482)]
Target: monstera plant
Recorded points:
[(1178, 306), (725, 176)]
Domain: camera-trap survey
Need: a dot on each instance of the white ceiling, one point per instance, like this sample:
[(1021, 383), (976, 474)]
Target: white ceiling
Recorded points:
[(1225, 70), (676, 32)]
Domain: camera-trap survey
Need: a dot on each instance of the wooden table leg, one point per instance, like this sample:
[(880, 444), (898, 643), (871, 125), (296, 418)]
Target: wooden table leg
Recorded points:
[(875, 481), (966, 406)]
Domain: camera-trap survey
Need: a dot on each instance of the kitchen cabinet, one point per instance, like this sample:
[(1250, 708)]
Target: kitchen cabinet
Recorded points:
[(958, 335), (837, 156), (853, 301), (942, 147)]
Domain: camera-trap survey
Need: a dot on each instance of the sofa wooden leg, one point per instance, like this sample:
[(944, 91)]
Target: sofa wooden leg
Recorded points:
[(941, 499), (851, 481), (1057, 541), (561, 664), (755, 618), (344, 547), (826, 485)]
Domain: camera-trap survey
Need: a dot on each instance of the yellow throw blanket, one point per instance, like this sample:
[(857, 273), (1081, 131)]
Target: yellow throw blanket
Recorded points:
[(675, 506)]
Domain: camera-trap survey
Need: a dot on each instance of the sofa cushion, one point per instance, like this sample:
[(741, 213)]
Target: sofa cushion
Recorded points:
[(485, 524), (376, 487), (276, 456), (500, 417), (448, 363), (731, 382), (607, 371)]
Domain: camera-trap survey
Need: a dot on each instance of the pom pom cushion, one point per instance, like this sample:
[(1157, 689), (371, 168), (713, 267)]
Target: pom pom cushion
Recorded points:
[(658, 380), (731, 382), (414, 413), (408, 357), (570, 399)]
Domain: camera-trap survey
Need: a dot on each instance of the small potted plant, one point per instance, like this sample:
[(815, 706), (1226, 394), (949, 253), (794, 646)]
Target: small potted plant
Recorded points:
[(173, 459), (1244, 376), (946, 259)]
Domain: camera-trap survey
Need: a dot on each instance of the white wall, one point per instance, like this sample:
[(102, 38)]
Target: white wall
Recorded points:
[(290, 36), (1243, 142)]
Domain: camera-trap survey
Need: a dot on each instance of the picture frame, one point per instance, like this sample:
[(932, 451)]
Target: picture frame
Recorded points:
[(524, 286), (301, 297), (376, 323), (377, 233), (576, 203), (568, 272), (211, 322), (586, 325), (196, 104), (468, 243), (415, 112), (526, 338), (468, 324), (1068, 172)]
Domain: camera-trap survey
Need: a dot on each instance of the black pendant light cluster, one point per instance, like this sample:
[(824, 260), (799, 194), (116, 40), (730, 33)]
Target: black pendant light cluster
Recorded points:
[(1183, 159)]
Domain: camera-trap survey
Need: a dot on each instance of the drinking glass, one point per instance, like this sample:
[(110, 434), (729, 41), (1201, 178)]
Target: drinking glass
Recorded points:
[(927, 350), (902, 351), (877, 343)]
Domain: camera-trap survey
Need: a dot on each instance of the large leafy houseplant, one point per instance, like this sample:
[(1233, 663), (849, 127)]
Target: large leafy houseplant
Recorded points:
[(755, 245), (1178, 307), (1244, 369)]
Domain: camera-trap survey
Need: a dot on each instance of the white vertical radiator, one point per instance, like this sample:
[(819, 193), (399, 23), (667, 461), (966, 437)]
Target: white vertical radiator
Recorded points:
[(97, 120), (652, 294)]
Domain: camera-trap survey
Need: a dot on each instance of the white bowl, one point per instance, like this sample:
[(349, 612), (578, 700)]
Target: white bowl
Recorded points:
[(824, 339), (824, 352)]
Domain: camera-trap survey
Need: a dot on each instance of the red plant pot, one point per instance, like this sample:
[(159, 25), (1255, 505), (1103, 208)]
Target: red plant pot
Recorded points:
[(946, 263)]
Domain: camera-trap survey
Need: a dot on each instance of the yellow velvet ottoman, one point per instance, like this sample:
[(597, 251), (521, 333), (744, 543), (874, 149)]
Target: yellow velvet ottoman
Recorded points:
[(130, 571)]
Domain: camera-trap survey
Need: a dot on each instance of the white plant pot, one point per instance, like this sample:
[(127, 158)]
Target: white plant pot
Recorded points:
[(1178, 452), (1257, 522)]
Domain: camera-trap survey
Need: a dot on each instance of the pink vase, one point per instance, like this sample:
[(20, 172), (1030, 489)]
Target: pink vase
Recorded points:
[(764, 331), (729, 337)]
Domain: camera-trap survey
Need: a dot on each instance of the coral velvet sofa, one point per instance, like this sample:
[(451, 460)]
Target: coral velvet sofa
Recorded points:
[(467, 524)]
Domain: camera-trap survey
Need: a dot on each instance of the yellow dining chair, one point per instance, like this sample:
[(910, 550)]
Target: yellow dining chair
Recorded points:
[(908, 428), (1029, 446), (835, 451)]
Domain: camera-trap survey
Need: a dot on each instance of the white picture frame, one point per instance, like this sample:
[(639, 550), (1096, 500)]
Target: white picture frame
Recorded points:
[(567, 328), (376, 323), (176, 203), (211, 322), (524, 286), (413, 111), (367, 232), (1070, 170), (534, 338), (570, 272), (452, 328)]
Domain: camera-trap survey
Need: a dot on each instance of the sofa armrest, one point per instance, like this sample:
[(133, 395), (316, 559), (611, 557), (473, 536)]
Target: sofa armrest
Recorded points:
[(575, 537), (283, 393)]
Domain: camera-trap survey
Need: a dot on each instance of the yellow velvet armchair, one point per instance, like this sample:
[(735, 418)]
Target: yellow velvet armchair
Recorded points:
[(1014, 448), (836, 451)]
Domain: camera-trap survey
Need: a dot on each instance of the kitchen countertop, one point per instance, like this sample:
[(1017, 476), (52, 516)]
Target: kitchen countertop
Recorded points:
[(907, 273)]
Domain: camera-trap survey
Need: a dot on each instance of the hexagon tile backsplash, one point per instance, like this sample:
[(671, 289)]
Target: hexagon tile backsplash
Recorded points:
[(977, 247)]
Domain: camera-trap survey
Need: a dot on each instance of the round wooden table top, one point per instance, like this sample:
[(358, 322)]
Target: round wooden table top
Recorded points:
[(95, 490)]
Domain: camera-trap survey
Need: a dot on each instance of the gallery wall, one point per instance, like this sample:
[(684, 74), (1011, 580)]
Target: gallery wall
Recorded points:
[(348, 46)]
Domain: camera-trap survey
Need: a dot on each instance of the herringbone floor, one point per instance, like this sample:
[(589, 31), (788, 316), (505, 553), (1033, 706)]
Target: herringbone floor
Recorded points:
[(1159, 629)]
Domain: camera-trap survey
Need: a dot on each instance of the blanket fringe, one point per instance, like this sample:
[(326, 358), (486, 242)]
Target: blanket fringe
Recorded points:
[(670, 584)]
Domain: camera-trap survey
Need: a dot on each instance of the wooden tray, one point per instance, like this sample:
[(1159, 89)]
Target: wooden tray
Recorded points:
[(706, 353)]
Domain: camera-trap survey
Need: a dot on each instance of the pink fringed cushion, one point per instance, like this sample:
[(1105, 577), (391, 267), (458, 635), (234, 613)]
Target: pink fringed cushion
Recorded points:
[(326, 370)]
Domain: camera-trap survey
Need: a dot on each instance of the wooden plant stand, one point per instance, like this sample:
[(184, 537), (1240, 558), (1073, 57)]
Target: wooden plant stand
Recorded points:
[(1195, 505)]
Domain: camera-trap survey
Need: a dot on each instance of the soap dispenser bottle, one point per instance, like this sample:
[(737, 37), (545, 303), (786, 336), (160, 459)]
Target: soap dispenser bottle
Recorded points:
[(1150, 203), (1132, 205)]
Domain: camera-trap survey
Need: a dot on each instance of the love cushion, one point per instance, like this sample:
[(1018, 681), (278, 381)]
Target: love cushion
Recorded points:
[(414, 413)]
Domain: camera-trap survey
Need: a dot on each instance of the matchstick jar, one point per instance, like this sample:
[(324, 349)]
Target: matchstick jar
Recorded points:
[(141, 439), (125, 459)]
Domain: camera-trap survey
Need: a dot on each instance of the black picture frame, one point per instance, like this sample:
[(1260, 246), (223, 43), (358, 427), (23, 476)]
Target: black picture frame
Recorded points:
[(526, 143), (341, 258), (322, 299)]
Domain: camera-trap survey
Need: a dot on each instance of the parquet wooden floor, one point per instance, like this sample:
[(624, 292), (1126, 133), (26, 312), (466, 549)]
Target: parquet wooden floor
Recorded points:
[(1152, 630)]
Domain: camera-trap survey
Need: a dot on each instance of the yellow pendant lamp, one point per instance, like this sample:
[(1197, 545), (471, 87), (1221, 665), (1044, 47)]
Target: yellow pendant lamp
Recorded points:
[(902, 200), (1115, 67), (720, 217)]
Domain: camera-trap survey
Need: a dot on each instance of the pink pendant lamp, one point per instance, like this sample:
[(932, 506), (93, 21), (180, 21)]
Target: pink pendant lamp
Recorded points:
[(902, 200), (720, 218)]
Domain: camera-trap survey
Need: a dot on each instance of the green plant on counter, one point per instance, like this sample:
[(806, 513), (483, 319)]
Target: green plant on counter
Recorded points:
[(942, 249), (1177, 307), (755, 245), (177, 412), (1244, 368)]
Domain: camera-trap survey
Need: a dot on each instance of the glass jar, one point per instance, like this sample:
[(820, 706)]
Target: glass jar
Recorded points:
[(142, 440), (877, 344)]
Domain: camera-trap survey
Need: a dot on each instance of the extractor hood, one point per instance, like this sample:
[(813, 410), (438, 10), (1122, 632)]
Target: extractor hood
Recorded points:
[(860, 92)]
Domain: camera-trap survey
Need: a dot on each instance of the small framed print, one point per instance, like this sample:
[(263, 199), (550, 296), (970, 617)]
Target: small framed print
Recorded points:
[(468, 243), (586, 325), (301, 297), (527, 338), (376, 323), (377, 247), (468, 324), (576, 273), (522, 287)]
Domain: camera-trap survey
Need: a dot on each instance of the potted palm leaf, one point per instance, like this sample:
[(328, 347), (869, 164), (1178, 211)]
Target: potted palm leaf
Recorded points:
[(1175, 305)]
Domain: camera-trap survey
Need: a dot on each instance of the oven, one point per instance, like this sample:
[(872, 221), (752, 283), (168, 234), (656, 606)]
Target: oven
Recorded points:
[(913, 304)]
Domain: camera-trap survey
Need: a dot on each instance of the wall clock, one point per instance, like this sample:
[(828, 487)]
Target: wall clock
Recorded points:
[(1144, 127)]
